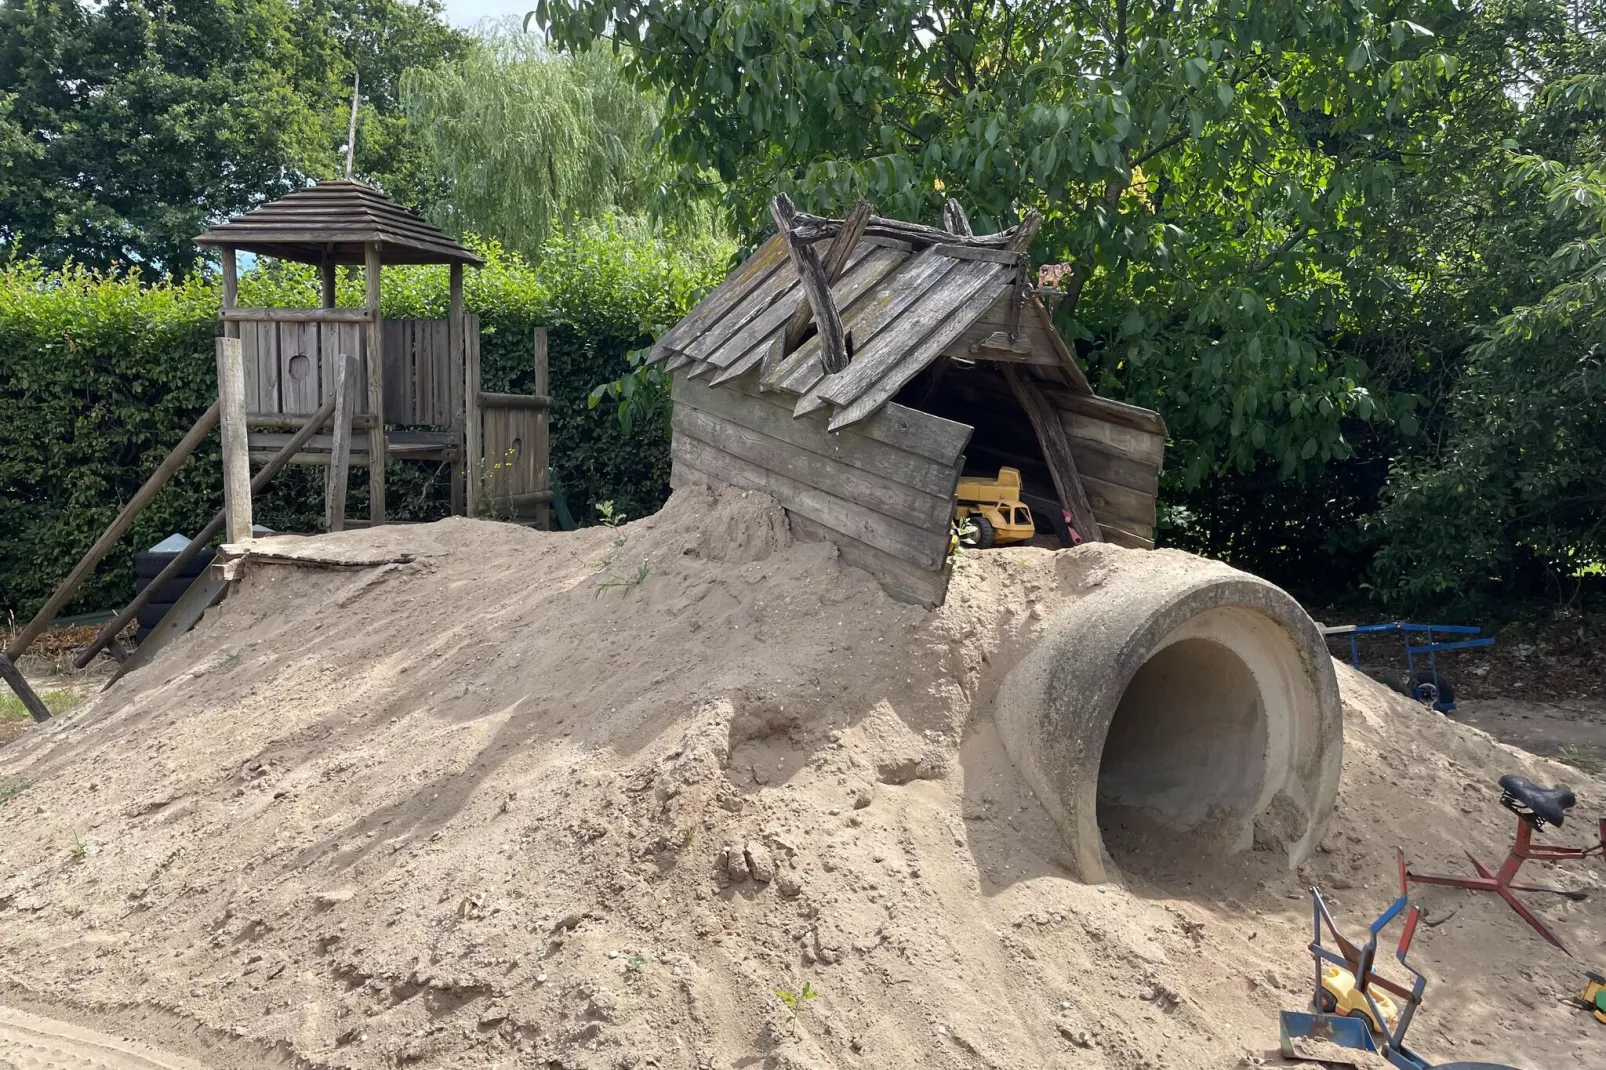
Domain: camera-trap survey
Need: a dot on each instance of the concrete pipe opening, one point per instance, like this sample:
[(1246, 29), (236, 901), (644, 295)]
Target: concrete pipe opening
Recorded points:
[(1176, 715)]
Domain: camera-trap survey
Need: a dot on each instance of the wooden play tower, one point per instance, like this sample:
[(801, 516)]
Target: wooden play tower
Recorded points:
[(336, 387)]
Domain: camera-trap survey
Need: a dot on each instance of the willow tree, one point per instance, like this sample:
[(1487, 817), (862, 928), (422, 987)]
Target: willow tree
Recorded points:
[(526, 140)]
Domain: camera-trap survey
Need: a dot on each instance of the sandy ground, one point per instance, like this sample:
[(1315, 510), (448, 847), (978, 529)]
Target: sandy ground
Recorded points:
[(687, 794)]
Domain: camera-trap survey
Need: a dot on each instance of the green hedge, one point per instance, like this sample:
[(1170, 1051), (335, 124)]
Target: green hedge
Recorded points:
[(100, 376)]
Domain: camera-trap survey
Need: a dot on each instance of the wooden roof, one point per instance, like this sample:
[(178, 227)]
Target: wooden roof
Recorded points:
[(338, 217), (908, 295)]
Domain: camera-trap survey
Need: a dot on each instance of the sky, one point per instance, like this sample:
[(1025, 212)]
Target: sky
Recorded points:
[(466, 13)]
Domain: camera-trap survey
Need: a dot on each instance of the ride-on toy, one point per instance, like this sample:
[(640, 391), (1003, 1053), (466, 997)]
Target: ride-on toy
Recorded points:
[(1356, 1008), (1425, 685), (1535, 808)]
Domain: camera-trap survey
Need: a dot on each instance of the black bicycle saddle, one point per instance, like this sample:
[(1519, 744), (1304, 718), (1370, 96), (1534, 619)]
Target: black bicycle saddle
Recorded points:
[(1544, 806)]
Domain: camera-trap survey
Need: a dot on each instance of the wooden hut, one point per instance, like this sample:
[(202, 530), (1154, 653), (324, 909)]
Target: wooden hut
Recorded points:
[(421, 400), (855, 368)]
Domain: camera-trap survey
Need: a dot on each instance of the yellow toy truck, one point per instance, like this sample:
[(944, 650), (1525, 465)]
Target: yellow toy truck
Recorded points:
[(990, 513)]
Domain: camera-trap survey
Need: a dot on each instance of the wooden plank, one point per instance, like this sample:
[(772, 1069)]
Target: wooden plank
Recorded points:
[(395, 352), (269, 394), (1126, 506), (900, 578), (770, 415), (530, 402), (541, 455), (773, 289), (758, 267), (474, 457), (836, 262), (114, 531), (1131, 540), (891, 300), (988, 341), (346, 372), (993, 256), (19, 684), (440, 377), (885, 496), (1107, 409), (897, 425), (295, 315), (920, 547), (1036, 318), (454, 377), (1057, 453), (250, 348), (205, 591), (852, 297), (816, 228), (236, 447), (816, 287), (891, 347), (376, 384), (297, 393), (749, 344)]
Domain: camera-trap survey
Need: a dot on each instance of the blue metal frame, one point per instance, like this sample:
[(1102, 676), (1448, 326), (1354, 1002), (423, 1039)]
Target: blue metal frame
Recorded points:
[(1431, 648)]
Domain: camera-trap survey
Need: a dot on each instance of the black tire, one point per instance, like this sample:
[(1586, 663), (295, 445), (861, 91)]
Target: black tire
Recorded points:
[(1326, 1002), (147, 566), (170, 591), (151, 613), (986, 537), (1432, 687)]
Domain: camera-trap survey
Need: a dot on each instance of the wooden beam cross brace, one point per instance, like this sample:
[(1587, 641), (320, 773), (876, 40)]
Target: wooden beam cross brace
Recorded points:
[(1057, 452), (816, 285)]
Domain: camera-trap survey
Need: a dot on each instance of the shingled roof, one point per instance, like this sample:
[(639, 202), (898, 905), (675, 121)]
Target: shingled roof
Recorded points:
[(908, 295), (338, 216)]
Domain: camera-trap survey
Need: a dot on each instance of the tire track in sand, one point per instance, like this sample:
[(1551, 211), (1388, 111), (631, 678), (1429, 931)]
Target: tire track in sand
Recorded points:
[(29, 1042)]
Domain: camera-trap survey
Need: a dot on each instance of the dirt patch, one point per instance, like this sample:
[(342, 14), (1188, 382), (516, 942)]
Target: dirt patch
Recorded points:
[(483, 808)]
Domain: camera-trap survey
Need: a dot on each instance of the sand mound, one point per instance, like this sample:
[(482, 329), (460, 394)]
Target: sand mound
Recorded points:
[(593, 799)]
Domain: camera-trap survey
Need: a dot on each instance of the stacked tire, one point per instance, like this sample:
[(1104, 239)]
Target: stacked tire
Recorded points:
[(148, 564)]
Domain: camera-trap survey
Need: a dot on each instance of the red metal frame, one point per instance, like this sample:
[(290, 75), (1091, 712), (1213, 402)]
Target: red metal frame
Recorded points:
[(1500, 881)]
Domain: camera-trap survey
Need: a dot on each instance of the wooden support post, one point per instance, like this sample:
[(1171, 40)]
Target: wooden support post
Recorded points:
[(231, 289), (326, 275), (204, 538), (1056, 452), (811, 272), (454, 344), (236, 443), (473, 459), (954, 219), (376, 387), (109, 538), (347, 374), (30, 701), (836, 261), (541, 455)]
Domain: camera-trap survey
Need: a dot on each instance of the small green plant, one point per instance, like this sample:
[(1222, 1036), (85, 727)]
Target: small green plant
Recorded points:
[(632, 581), (635, 962), (611, 517), (7, 794), (962, 530), (57, 702), (688, 835), (1579, 756), (79, 849), (491, 475), (795, 1001)]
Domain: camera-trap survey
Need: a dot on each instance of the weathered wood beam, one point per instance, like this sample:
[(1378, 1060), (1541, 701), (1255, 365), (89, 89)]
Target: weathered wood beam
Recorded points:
[(335, 479), (955, 219), (30, 701), (109, 538), (1056, 452), (836, 261), (813, 228), (811, 272), (374, 345), (313, 425), (236, 439)]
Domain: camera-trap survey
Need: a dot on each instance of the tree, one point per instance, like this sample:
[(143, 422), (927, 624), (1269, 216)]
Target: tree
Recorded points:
[(1207, 168), (523, 139), (126, 127)]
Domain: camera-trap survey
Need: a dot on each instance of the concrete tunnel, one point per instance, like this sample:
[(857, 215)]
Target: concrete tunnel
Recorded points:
[(1193, 701)]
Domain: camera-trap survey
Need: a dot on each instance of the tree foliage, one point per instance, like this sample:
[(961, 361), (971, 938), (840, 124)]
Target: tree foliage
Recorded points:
[(524, 140), (1206, 167), (126, 126)]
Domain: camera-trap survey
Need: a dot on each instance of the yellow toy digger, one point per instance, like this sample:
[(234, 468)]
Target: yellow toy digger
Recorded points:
[(992, 511)]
